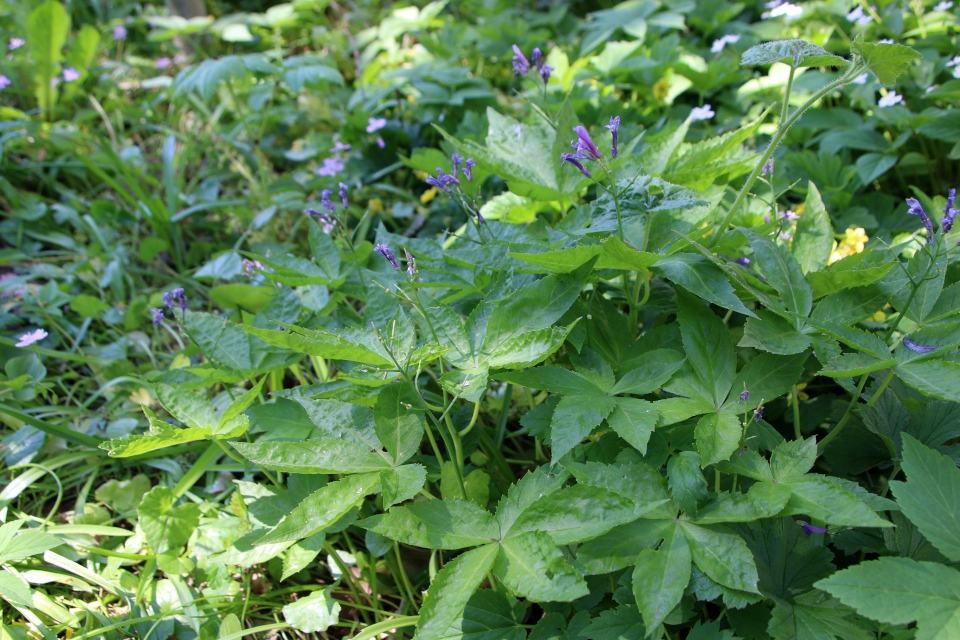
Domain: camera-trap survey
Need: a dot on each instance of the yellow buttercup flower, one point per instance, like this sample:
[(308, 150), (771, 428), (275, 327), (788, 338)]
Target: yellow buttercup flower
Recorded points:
[(853, 241), (428, 195)]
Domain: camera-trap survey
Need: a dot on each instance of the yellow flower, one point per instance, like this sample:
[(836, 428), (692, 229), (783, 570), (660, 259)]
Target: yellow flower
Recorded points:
[(800, 394), (375, 204), (423, 175), (429, 195), (853, 241), (661, 90), (879, 316)]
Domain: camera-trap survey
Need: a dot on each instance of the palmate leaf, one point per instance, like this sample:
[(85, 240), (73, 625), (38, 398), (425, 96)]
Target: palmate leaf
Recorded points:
[(451, 589), (708, 347), (165, 526), (783, 273), (796, 53), (313, 613), (815, 616), (937, 378), (701, 277), (573, 420), (319, 455), (885, 61), (489, 615), (437, 524), (532, 566), (611, 253), (722, 555), (660, 576), (902, 591)]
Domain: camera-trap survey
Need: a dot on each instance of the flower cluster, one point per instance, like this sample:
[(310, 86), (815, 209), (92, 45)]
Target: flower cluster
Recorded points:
[(175, 295), (857, 15), (521, 66), (585, 149), (916, 209), (949, 212), (854, 241)]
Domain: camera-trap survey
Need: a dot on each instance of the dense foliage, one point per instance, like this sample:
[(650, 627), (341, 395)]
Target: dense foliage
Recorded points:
[(480, 321)]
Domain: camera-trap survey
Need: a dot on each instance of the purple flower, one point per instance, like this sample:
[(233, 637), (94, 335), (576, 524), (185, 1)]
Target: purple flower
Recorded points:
[(949, 212), (28, 339), (789, 215), (442, 180), (545, 72), (520, 63), (70, 74), (381, 143), (250, 265), (4, 81), (743, 262), (375, 124), (584, 146), (785, 236), (468, 166), (168, 299), (457, 160), (766, 218), (179, 58), (16, 43), (326, 222), (163, 63), (889, 100), (916, 348), (412, 266), (701, 113), (613, 127), (331, 167), (758, 413), (119, 32), (177, 294), (767, 168), (536, 56), (743, 396), (810, 530), (339, 146), (916, 209), (157, 314), (384, 250), (572, 159), (326, 202), (343, 195)]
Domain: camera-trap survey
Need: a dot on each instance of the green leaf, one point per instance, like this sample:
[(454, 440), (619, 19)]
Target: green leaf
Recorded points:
[(931, 496), (813, 239), (885, 61), (687, 484), (772, 333), (398, 426), (319, 455), (718, 436), (315, 612), (634, 420), (165, 526), (437, 524), (855, 364), (821, 498), (898, 286), (937, 378), (851, 271), (322, 508), (649, 372), (796, 53), (852, 337), (299, 556), (531, 487), (310, 75), (792, 459), (902, 591), (404, 483), (576, 514), (451, 590), (611, 253), (763, 501), (489, 615), (325, 252), (815, 616), (700, 276), (47, 29), (661, 575), (573, 420), (871, 166), (622, 623), (767, 377), (783, 273), (722, 555), (552, 379), (528, 349), (206, 77), (24, 545), (706, 341), (532, 566), (618, 548), (354, 346), (15, 590)]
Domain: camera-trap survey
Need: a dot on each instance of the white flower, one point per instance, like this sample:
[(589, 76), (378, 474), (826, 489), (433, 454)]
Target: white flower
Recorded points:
[(886, 41), (28, 339), (701, 113), (786, 9), (858, 16), (930, 88), (954, 62), (722, 41), (956, 72), (861, 79), (943, 6), (889, 100)]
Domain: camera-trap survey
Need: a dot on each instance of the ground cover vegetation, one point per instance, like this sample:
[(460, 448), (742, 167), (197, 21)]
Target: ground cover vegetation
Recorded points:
[(480, 320)]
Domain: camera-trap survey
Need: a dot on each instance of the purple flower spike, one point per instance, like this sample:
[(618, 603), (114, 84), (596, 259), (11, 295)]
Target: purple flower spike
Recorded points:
[(767, 168), (789, 215), (613, 127), (536, 56), (758, 413), (572, 159), (744, 396), (384, 250), (457, 161), (168, 299), (949, 212), (326, 202), (343, 195), (468, 166), (810, 530), (916, 348), (916, 209), (157, 314), (743, 262), (545, 72), (584, 145), (442, 181), (521, 66)]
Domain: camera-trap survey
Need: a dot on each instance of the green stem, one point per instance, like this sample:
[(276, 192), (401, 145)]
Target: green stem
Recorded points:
[(404, 578), (849, 412), (237, 458), (375, 630), (796, 413), (782, 129), (786, 97), (504, 414)]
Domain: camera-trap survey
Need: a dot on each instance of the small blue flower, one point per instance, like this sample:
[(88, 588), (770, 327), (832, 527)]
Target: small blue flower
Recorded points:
[(743, 396), (343, 195), (949, 212), (743, 262), (468, 166), (767, 167), (384, 250), (916, 209), (521, 66), (536, 56), (457, 160), (441, 181), (916, 348), (326, 202), (545, 72), (157, 314), (572, 159), (586, 150), (613, 127), (758, 413), (167, 299), (810, 530)]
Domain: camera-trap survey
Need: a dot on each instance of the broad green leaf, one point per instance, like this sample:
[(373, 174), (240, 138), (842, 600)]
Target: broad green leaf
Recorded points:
[(165, 526), (634, 420), (322, 508), (47, 29), (820, 498), (532, 566), (437, 524), (885, 61), (722, 555), (637, 482), (528, 349), (299, 556), (220, 340), (931, 496), (207, 76), (319, 455), (687, 484), (543, 481), (325, 344), (25, 544), (855, 364), (792, 459), (748, 463), (850, 306), (948, 303), (552, 379), (902, 591), (796, 53), (783, 273), (489, 615), (813, 239), (764, 500), (573, 420), (611, 253), (944, 337), (718, 436), (772, 333), (315, 612), (238, 406), (706, 341), (451, 589), (766, 377), (309, 75), (618, 548), (937, 378), (852, 337), (815, 616), (851, 271), (159, 439), (398, 426), (700, 276), (189, 408), (921, 297), (622, 623), (325, 252), (403, 483), (661, 575), (576, 514), (673, 410), (649, 372), (15, 590)]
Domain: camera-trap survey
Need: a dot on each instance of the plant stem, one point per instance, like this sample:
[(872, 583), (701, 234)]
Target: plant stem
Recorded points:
[(796, 413)]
